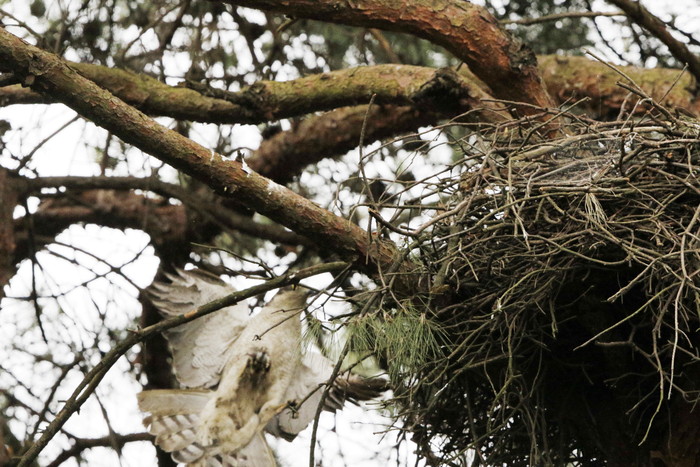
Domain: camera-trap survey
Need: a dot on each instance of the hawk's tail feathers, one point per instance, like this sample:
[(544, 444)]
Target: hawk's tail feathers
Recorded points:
[(256, 454), (173, 420)]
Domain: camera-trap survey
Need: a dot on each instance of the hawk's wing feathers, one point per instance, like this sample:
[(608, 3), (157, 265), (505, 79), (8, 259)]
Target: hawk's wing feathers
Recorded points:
[(174, 416), (255, 366), (200, 347), (307, 389)]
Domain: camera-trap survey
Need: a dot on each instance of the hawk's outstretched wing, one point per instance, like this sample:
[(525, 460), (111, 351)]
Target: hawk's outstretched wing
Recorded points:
[(307, 390), (304, 394), (199, 348)]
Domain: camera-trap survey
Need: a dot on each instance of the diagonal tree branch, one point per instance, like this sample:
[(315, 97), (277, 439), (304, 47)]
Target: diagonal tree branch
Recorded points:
[(266, 100), (49, 75), (93, 377)]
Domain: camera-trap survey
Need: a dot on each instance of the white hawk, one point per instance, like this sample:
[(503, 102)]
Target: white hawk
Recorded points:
[(242, 375)]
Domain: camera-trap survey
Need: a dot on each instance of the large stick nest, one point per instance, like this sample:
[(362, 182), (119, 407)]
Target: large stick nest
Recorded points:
[(564, 301)]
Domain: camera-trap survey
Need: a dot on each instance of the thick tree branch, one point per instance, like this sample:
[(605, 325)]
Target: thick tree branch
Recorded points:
[(271, 100), (205, 206), (570, 79), (167, 225), (287, 153), (468, 31), (563, 76), (12, 95), (643, 17), (389, 84), (558, 73), (172, 228), (49, 75)]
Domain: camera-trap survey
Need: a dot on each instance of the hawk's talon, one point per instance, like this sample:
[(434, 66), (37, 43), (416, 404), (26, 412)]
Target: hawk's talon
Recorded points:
[(293, 407)]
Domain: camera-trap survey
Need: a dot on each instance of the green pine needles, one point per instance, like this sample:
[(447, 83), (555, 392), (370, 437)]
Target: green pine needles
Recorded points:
[(403, 338)]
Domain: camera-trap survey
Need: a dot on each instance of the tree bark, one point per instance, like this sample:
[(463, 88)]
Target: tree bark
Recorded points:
[(595, 85), (269, 100), (468, 31)]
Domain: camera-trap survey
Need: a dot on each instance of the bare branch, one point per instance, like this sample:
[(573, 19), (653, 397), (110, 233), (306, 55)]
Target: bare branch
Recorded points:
[(643, 17), (82, 444)]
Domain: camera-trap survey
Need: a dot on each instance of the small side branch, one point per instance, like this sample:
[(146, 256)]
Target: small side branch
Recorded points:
[(643, 17)]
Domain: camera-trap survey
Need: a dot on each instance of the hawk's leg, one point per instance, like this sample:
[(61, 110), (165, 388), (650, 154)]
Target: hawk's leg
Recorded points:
[(272, 408)]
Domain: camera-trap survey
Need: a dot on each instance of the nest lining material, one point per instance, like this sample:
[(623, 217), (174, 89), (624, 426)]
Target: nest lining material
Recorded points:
[(565, 289)]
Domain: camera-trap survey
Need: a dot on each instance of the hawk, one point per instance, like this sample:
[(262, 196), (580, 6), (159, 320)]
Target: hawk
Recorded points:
[(241, 376)]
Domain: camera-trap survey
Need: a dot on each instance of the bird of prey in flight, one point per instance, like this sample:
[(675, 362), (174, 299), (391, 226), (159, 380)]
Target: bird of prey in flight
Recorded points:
[(241, 376)]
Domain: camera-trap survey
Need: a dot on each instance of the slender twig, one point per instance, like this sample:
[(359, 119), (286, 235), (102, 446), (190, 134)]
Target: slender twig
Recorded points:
[(216, 211), (644, 18), (87, 386)]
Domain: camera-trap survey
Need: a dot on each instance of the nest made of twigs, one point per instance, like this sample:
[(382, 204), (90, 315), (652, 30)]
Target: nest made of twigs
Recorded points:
[(564, 293)]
